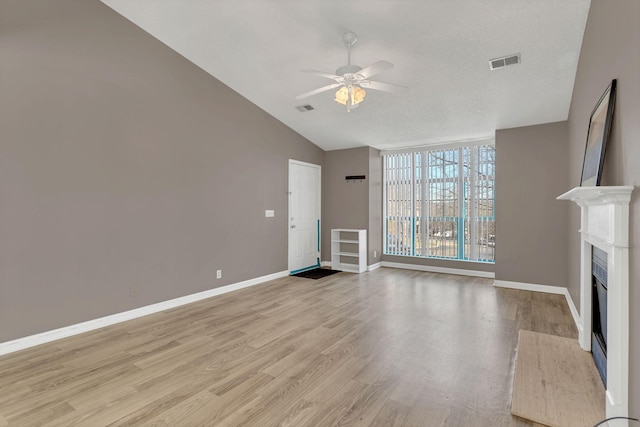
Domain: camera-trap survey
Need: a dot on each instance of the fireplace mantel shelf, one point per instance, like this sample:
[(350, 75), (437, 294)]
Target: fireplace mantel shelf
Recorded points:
[(594, 196), (605, 225)]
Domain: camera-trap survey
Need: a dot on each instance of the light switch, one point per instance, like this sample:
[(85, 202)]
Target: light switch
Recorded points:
[(269, 213)]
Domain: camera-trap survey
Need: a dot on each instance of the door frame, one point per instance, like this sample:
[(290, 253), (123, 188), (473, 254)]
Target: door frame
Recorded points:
[(289, 246)]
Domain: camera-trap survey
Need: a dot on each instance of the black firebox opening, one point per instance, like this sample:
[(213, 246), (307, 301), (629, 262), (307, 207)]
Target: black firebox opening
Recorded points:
[(599, 311)]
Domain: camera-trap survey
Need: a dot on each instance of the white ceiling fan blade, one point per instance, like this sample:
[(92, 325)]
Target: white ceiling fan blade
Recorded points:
[(374, 69), (319, 90), (325, 75), (384, 87)]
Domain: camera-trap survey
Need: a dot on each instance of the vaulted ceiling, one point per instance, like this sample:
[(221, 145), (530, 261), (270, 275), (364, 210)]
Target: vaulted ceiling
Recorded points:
[(440, 48)]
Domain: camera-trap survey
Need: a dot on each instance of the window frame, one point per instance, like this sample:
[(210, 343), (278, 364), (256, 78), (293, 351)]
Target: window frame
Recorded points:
[(468, 241)]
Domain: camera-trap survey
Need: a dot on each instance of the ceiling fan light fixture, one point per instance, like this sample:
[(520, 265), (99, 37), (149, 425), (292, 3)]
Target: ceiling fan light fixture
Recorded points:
[(357, 95), (342, 95), (350, 78)]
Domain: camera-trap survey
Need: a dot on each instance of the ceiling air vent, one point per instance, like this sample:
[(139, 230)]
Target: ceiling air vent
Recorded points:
[(304, 108), (494, 64)]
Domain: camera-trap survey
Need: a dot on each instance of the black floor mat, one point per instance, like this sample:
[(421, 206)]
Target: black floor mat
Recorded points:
[(316, 273)]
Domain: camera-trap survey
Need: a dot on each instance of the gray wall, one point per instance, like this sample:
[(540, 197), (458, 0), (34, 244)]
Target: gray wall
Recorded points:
[(353, 204), (374, 235), (122, 164), (611, 49), (531, 225), (345, 204)]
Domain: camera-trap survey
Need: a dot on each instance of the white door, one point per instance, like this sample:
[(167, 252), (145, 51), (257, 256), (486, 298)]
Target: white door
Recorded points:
[(304, 216)]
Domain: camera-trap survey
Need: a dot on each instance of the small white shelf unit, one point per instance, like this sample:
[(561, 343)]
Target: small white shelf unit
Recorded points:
[(349, 250)]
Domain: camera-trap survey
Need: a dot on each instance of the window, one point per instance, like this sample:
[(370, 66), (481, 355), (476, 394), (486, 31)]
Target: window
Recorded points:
[(440, 203)]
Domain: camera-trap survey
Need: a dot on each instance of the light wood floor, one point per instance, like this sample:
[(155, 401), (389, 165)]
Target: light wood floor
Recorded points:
[(389, 347)]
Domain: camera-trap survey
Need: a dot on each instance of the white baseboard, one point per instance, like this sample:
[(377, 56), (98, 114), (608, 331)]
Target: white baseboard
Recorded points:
[(369, 268), (374, 266), (444, 270), (90, 325), (558, 290), (574, 311), (530, 287)]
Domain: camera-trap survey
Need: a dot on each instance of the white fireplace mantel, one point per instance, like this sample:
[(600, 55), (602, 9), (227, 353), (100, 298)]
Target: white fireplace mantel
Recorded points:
[(605, 225)]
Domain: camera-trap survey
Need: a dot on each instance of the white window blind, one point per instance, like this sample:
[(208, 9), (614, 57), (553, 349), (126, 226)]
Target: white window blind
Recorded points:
[(441, 203)]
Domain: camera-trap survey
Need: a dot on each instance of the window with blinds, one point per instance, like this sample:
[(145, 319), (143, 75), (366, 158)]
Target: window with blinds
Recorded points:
[(441, 203)]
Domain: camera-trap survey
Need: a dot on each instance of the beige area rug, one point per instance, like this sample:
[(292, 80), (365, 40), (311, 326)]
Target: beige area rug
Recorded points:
[(556, 383)]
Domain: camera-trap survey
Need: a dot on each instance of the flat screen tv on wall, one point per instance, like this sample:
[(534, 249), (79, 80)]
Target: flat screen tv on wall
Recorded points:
[(597, 136)]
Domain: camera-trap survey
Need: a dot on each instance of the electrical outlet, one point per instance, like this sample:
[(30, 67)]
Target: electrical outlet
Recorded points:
[(375, 254), (219, 274), (133, 292)]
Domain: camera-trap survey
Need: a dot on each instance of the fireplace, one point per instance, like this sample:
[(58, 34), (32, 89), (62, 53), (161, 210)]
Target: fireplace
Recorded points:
[(599, 311), (603, 322)]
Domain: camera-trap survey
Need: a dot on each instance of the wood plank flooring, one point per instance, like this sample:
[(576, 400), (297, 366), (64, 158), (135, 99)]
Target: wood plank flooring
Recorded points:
[(384, 348)]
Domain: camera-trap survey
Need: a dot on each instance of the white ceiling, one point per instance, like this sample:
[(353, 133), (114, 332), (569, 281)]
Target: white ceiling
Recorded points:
[(440, 49)]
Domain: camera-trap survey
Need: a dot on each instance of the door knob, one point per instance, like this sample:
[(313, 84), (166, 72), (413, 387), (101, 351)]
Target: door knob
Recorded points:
[(293, 226)]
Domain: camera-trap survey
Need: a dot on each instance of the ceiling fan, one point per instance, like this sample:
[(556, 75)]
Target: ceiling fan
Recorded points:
[(351, 79)]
